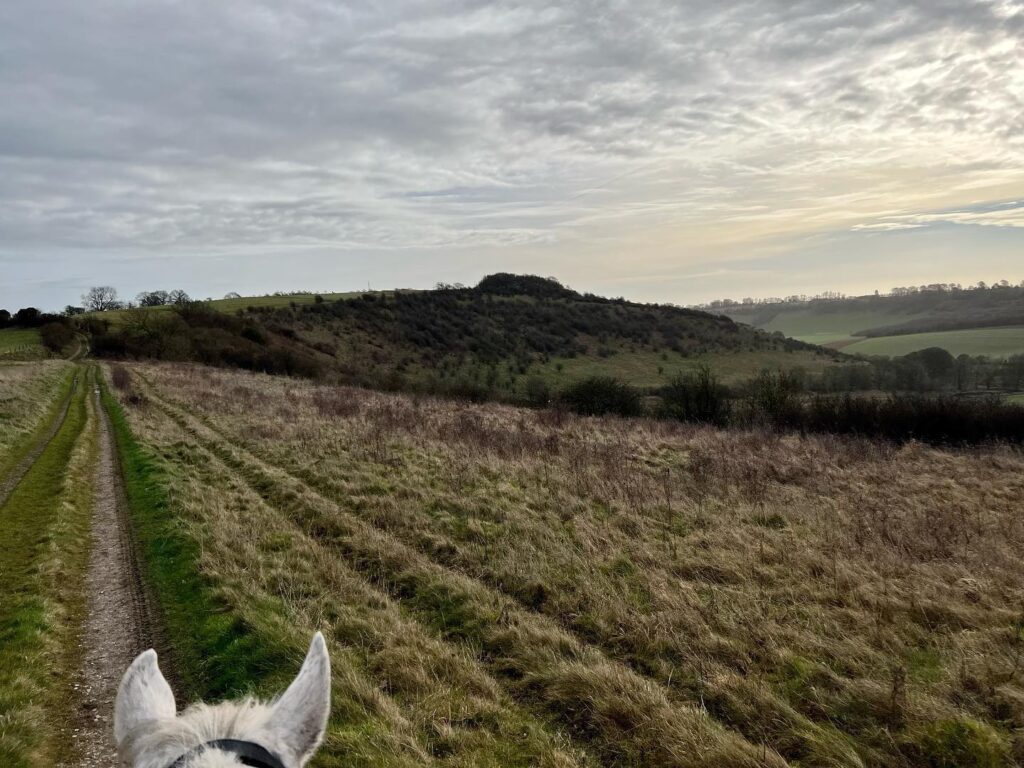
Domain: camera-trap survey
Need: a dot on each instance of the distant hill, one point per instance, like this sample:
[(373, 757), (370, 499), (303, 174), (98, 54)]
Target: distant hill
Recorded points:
[(493, 338), (975, 322), (511, 328)]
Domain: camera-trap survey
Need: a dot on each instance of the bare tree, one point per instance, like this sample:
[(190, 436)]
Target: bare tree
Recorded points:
[(100, 298), (178, 296), (153, 298)]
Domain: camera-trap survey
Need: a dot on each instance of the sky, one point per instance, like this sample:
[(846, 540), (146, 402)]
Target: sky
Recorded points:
[(663, 150)]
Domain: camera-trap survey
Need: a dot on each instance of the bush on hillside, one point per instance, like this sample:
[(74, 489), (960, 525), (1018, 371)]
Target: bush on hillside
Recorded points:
[(602, 395), (56, 336), (696, 397)]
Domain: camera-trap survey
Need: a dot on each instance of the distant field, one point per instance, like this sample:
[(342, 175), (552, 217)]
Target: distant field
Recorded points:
[(1017, 398), (994, 342), (817, 327), (20, 343)]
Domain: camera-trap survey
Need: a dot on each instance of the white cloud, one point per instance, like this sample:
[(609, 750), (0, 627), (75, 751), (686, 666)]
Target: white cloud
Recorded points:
[(519, 130)]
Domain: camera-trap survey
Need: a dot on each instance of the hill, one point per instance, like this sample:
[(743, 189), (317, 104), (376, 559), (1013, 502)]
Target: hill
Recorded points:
[(483, 341), (957, 320)]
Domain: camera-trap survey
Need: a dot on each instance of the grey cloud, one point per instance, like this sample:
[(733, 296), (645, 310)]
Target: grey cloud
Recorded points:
[(458, 123)]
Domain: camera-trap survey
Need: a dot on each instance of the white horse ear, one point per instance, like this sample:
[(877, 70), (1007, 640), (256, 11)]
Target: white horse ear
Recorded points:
[(299, 719), (143, 695)]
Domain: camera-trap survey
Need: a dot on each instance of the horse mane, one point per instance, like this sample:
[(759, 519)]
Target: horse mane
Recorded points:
[(155, 744)]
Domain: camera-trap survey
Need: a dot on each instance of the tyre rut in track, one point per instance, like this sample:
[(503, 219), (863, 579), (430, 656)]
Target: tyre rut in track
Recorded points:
[(118, 624)]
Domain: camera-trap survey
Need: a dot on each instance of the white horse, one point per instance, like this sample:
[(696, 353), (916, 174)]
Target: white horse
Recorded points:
[(281, 734)]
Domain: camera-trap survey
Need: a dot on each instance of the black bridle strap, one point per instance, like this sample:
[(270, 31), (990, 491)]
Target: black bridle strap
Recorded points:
[(248, 753)]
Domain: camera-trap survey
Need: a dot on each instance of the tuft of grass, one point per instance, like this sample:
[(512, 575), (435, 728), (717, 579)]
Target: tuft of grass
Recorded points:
[(959, 743)]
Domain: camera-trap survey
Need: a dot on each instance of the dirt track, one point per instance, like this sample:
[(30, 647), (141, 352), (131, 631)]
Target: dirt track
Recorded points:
[(117, 626)]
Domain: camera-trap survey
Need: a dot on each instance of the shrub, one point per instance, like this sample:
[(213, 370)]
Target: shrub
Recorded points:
[(56, 336), (120, 378), (960, 743), (538, 393), (601, 395), (697, 397)]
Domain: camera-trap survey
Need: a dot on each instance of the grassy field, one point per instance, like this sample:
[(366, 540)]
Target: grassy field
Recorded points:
[(28, 393), (43, 553), (817, 327), (21, 344), (502, 587), (994, 342)]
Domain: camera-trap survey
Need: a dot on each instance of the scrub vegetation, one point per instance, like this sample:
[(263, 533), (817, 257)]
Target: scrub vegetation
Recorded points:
[(502, 586)]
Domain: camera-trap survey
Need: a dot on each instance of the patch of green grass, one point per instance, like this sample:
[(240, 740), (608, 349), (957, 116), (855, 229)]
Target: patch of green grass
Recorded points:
[(816, 326), (924, 665), (959, 743), (994, 342), (21, 343), (29, 691)]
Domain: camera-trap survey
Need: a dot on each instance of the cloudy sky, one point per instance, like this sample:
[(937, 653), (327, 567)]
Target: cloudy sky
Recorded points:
[(670, 150)]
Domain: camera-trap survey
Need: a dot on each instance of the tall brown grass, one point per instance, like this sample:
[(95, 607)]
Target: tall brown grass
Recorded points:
[(663, 594)]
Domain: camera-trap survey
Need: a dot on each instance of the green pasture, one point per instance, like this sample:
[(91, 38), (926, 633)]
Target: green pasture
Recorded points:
[(20, 342), (993, 342)]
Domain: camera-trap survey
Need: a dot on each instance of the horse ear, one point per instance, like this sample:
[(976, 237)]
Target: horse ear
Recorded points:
[(143, 695), (299, 718)]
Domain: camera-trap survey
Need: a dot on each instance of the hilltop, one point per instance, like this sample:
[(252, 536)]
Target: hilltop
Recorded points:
[(972, 321)]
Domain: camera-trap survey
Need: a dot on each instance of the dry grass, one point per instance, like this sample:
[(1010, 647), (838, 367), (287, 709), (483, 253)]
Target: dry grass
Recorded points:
[(634, 592), (27, 391)]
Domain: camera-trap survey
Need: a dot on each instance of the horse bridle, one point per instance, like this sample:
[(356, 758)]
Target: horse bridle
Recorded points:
[(248, 753)]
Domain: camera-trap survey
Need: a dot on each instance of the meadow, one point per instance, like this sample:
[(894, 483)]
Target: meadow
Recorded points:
[(992, 342), (830, 328), (20, 344), (504, 587), (27, 392)]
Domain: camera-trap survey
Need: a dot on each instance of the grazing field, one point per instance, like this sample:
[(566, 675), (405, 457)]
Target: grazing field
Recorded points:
[(993, 342), (823, 328), (505, 587), (21, 344)]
